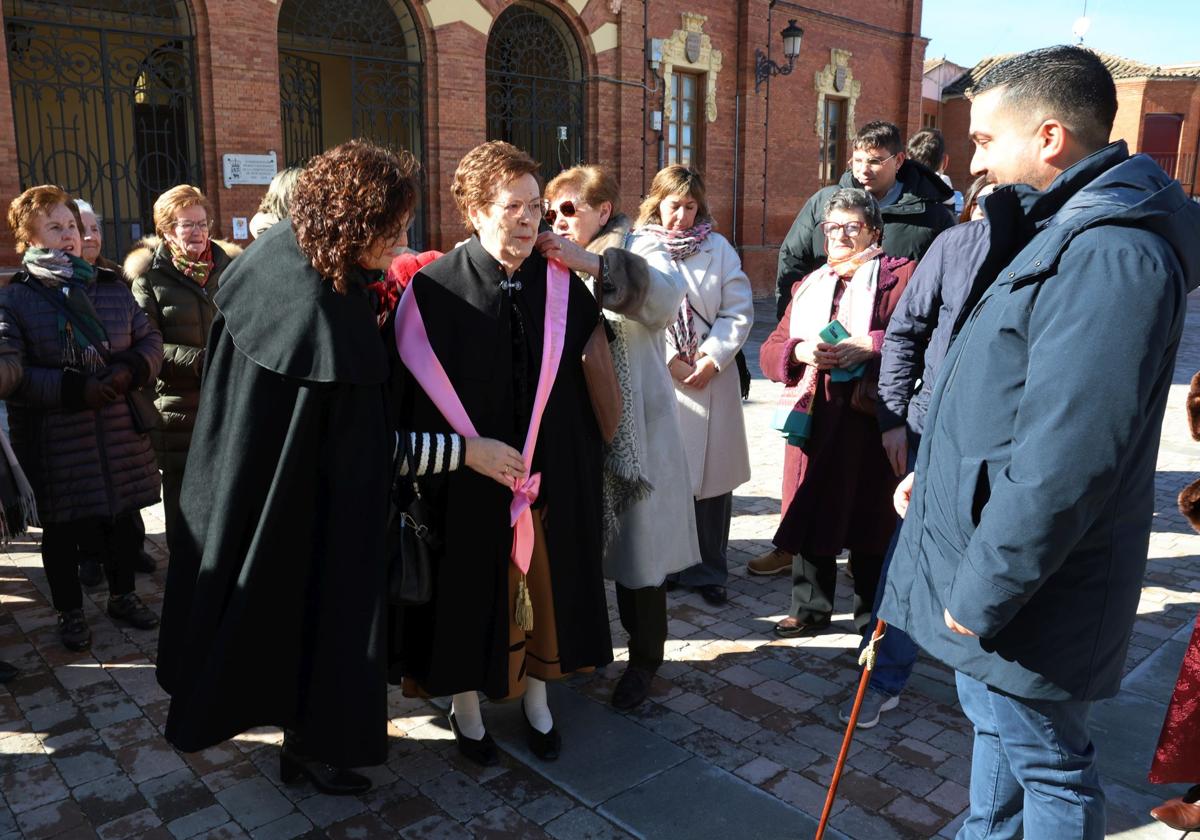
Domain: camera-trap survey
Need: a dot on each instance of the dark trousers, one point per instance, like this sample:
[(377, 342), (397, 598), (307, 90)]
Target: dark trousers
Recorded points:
[(644, 616), (814, 581), (712, 532), (897, 653), (172, 483), (93, 543), (117, 544)]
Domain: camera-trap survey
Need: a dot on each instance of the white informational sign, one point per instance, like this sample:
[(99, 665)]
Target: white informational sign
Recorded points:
[(249, 169), (241, 229)]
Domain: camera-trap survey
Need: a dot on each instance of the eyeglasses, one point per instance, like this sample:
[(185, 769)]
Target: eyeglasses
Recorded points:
[(872, 162), (517, 209), (188, 227), (834, 229), (567, 208)]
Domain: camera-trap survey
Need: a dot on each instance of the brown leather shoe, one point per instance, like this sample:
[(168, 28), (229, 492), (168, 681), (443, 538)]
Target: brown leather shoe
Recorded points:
[(774, 562), (1177, 814)]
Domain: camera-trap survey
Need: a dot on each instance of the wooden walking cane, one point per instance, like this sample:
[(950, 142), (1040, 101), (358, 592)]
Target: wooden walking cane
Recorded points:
[(867, 660)]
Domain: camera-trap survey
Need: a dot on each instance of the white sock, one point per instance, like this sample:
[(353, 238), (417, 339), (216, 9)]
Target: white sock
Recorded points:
[(465, 708), (537, 708)]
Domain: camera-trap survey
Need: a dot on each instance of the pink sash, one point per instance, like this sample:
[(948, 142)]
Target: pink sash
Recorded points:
[(415, 351)]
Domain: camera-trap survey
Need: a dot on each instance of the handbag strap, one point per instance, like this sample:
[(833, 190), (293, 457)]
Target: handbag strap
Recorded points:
[(58, 304)]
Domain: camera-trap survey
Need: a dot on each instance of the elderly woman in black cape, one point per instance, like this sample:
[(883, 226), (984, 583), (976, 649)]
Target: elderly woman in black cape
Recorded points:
[(518, 591), (274, 610)]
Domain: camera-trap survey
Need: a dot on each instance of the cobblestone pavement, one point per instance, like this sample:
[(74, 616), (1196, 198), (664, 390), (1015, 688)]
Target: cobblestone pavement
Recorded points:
[(740, 733)]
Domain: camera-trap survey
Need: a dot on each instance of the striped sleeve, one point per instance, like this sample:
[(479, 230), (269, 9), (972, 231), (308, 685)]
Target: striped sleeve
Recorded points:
[(432, 453)]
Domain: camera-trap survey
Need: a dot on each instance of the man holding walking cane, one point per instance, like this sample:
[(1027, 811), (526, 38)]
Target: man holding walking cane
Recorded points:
[(1021, 561)]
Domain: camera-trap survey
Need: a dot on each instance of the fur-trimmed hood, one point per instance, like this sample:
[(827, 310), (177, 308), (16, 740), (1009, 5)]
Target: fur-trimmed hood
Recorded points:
[(141, 255)]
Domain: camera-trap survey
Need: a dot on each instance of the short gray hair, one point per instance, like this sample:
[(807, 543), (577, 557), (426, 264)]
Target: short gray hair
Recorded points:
[(84, 207), (851, 199)]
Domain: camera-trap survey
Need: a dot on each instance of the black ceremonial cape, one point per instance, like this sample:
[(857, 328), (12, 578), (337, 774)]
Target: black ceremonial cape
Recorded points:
[(459, 641), (274, 608)]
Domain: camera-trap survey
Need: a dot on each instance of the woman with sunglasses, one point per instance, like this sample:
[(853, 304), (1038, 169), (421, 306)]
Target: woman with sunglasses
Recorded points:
[(650, 528), (675, 235), (491, 337), (838, 482), (175, 279)]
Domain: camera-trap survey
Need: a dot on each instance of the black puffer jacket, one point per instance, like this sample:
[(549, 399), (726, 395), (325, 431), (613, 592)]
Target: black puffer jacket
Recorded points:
[(909, 225), (81, 463), (183, 311)]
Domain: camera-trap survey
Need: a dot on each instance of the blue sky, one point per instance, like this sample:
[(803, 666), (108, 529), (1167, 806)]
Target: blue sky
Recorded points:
[(1151, 31)]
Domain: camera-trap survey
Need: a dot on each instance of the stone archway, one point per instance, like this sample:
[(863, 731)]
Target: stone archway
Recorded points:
[(535, 88)]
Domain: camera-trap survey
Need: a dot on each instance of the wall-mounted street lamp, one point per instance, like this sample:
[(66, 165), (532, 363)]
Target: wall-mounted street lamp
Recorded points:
[(765, 68)]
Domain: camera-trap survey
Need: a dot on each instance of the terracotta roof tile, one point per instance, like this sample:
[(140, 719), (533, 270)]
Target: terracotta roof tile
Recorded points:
[(1121, 68)]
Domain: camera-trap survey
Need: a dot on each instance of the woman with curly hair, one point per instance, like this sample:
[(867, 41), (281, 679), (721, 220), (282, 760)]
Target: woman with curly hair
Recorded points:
[(274, 611)]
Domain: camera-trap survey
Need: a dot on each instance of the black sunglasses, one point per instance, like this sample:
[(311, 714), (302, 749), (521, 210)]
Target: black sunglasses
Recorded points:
[(567, 208)]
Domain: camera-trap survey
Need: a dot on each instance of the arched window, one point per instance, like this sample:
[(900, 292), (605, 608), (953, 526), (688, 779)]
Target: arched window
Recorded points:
[(350, 68), (535, 88), (104, 100)]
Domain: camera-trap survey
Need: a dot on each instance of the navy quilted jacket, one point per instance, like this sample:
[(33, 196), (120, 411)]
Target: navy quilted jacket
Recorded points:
[(82, 463)]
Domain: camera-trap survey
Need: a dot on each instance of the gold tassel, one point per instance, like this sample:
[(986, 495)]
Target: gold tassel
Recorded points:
[(524, 615)]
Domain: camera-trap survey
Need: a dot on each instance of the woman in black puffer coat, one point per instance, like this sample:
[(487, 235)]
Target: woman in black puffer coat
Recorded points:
[(174, 281), (72, 427)]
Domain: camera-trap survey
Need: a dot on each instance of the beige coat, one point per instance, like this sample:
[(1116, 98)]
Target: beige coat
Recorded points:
[(657, 534), (714, 432)]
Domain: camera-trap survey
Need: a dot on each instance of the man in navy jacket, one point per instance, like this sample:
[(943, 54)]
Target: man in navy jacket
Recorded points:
[(1027, 527)]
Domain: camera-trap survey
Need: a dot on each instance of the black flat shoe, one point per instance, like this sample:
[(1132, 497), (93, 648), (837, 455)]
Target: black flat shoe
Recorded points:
[(714, 594), (129, 609), (632, 688), (145, 564), (73, 630), (334, 781), (7, 671), (790, 631), (482, 751), (545, 745)]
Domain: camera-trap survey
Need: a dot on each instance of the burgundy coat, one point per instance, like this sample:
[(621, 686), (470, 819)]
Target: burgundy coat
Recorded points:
[(1177, 758), (837, 491)]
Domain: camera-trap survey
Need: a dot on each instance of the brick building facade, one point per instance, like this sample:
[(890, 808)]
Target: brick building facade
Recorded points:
[(159, 91), (1158, 113)]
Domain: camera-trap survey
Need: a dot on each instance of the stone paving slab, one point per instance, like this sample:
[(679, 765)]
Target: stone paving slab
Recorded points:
[(702, 802), (604, 753)]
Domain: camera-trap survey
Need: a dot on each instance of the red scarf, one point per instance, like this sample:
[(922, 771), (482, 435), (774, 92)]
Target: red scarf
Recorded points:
[(399, 274)]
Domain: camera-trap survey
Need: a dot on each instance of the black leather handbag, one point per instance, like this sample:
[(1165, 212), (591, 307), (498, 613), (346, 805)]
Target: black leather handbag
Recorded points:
[(412, 542)]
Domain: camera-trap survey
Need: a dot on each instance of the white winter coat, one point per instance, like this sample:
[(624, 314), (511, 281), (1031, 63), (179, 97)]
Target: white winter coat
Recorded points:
[(714, 432)]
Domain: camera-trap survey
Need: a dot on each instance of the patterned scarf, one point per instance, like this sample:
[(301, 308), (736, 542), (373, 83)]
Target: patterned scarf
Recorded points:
[(71, 277), (54, 267), (846, 288), (197, 269), (680, 244)]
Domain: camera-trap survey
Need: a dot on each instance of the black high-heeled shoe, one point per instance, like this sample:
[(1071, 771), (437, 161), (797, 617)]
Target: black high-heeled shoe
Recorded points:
[(482, 751), (545, 745), (326, 778)]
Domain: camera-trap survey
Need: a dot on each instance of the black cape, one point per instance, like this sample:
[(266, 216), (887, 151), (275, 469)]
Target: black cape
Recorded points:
[(274, 608), (459, 641)]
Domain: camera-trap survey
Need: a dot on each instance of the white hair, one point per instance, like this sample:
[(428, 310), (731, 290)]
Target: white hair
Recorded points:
[(85, 207)]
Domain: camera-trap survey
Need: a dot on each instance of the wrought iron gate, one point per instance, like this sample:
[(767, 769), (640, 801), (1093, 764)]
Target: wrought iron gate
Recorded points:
[(535, 92), (104, 102), (300, 107), (374, 46)]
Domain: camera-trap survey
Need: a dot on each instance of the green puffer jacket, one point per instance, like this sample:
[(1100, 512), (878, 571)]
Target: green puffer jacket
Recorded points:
[(183, 312)]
